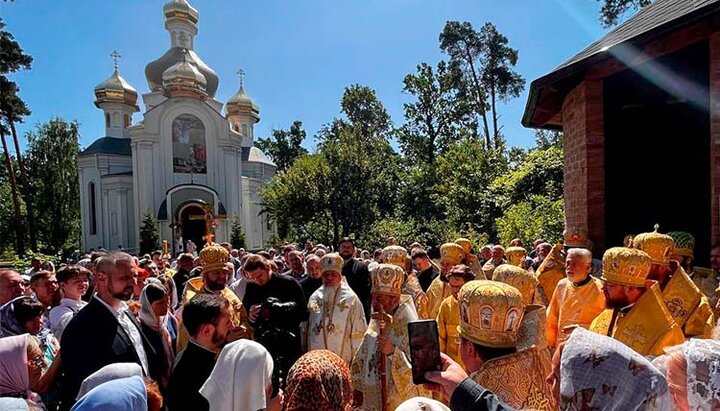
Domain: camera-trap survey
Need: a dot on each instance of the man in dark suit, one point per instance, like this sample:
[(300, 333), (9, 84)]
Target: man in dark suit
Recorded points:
[(356, 273), (207, 319), (105, 331)]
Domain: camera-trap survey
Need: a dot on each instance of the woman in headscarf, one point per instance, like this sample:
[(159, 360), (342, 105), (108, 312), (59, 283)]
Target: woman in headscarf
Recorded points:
[(170, 285), (319, 381), (21, 364), (154, 320), (124, 394), (107, 373), (693, 374), (594, 371), (241, 379)]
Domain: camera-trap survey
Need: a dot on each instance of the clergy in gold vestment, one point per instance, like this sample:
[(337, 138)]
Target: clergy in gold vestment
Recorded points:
[(215, 259), (393, 349), (337, 319), (688, 306), (523, 280), (471, 260), (577, 299), (448, 317), (490, 317), (451, 254), (635, 314), (398, 256), (551, 271)]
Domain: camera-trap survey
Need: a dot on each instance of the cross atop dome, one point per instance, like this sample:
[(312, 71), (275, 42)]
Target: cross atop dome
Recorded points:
[(116, 58), (241, 75)]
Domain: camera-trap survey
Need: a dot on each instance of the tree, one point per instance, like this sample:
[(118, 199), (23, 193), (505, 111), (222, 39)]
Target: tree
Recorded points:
[(539, 217), (284, 146), (237, 235), (12, 57), (487, 62), (613, 10), (52, 152), (545, 139), (149, 236)]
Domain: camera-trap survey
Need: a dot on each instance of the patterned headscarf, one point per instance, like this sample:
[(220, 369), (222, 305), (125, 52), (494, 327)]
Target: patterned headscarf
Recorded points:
[(695, 374), (319, 381), (599, 372)]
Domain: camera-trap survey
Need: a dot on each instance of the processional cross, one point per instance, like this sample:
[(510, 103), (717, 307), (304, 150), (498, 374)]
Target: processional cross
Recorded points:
[(210, 221)]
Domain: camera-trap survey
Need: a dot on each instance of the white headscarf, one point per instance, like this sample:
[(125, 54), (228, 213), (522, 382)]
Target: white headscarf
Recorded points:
[(241, 374), (599, 372), (108, 373), (159, 324), (422, 404)]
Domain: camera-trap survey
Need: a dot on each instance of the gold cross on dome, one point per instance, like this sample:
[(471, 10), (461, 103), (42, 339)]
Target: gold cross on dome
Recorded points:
[(241, 74), (116, 58)]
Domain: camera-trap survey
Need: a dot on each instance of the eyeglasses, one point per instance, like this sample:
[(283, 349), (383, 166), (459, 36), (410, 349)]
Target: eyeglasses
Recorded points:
[(38, 362)]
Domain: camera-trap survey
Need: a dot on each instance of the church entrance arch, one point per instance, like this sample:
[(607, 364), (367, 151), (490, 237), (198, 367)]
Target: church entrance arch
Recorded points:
[(192, 223)]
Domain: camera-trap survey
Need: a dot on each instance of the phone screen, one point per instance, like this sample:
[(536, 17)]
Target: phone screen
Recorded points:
[(424, 349)]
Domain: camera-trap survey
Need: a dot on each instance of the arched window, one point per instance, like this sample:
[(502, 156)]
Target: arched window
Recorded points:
[(188, 139), (127, 121), (93, 208), (107, 120), (116, 120)]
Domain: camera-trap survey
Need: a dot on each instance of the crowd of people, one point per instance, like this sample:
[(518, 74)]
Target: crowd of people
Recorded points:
[(326, 328)]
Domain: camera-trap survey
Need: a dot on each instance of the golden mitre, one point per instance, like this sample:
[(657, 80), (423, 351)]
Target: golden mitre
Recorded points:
[(523, 280), (395, 255), (214, 257), (331, 262), (575, 237), (684, 243), (387, 279), (626, 266), (658, 246), (451, 253), (516, 255), (465, 244), (490, 313)]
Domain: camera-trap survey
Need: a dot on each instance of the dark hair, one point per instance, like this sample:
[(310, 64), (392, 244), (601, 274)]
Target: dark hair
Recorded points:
[(95, 255), (69, 272), (489, 353), (254, 262), (419, 253), (202, 309), (462, 271), (156, 252), (264, 254), (155, 292), (25, 309), (40, 275), (167, 282), (346, 240)]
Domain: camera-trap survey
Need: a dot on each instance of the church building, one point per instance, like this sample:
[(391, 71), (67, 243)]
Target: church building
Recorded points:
[(187, 155)]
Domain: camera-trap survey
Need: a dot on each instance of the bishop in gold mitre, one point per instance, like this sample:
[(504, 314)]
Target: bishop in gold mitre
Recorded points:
[(635, 313), (689, 307), (705, 278), (471, 260), (398, 256), (451, 254), (490, 316), (216, 269)]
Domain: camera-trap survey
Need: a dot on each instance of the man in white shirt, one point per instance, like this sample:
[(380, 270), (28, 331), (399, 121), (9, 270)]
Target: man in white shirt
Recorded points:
[(73, 281)]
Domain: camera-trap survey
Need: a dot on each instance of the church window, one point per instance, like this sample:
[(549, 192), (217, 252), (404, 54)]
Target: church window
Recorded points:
[(127, 120), (116, 120), (107, 120), (244, 130), (189, 148), (93, 209)]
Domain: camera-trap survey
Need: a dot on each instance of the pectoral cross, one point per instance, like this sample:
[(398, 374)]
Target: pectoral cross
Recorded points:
[(210, 221)]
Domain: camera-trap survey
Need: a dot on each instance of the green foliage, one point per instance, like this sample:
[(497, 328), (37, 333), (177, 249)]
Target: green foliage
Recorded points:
[(538, 217), (613, 10), (284, 146), (237, 235), (12, 57), (149, 236), (51, 156), (539, 173)]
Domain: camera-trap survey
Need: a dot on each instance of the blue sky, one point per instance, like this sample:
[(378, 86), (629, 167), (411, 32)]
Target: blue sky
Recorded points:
[(299, 55)]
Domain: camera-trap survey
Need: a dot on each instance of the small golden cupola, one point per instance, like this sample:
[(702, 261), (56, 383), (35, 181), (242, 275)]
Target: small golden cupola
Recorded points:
[(183, 79), (241, 110), (118, 100)]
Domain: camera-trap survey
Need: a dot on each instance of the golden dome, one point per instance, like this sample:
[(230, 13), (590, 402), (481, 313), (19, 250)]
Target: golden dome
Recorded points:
[(181, 9), (241, 103), (184, 76), (117, 90)]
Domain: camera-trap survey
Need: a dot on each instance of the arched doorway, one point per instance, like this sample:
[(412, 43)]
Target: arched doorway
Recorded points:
[(192, 227)]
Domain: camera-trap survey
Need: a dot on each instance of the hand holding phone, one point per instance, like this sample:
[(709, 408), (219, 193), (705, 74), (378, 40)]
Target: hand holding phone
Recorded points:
[(424, 349)]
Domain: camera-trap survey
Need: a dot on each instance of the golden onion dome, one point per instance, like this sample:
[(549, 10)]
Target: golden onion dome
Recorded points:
[(241, 103), (184, 75), (181, 9), (115, 89)]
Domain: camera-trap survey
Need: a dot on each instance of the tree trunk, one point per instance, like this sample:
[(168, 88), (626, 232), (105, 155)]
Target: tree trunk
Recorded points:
[(496, 132), (19, 232), (25, 183), (480, 101)]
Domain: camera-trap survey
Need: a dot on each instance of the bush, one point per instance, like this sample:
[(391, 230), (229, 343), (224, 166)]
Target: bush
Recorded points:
[(540, 217)]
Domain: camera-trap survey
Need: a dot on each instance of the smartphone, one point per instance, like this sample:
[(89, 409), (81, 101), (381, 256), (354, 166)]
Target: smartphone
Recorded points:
[(424, 349)]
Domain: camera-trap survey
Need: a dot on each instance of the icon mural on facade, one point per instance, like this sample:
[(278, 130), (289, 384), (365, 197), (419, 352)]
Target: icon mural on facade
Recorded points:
[(188, 136)]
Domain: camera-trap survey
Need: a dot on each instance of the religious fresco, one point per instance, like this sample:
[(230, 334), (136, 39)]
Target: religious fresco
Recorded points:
[(188, 137)]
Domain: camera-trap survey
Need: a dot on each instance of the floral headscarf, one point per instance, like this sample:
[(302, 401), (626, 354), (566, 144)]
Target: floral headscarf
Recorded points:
[(601, 373), (319, 381)]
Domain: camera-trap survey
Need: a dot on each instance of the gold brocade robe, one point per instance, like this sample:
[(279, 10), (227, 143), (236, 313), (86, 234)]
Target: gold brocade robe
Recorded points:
[(647, 327), (532, 334), (572, 305), (518, 379), (336, 322), (448, 320), (413, 289), (707, 281), (365, 370), (688, 306), (474, 264), (551, 271), (437, 292), (238, 316)]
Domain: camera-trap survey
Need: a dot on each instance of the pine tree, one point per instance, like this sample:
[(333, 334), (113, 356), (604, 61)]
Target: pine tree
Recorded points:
[(149, 238), (237, 236)]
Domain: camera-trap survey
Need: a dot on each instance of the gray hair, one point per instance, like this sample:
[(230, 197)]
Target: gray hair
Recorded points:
[(584, 252)]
